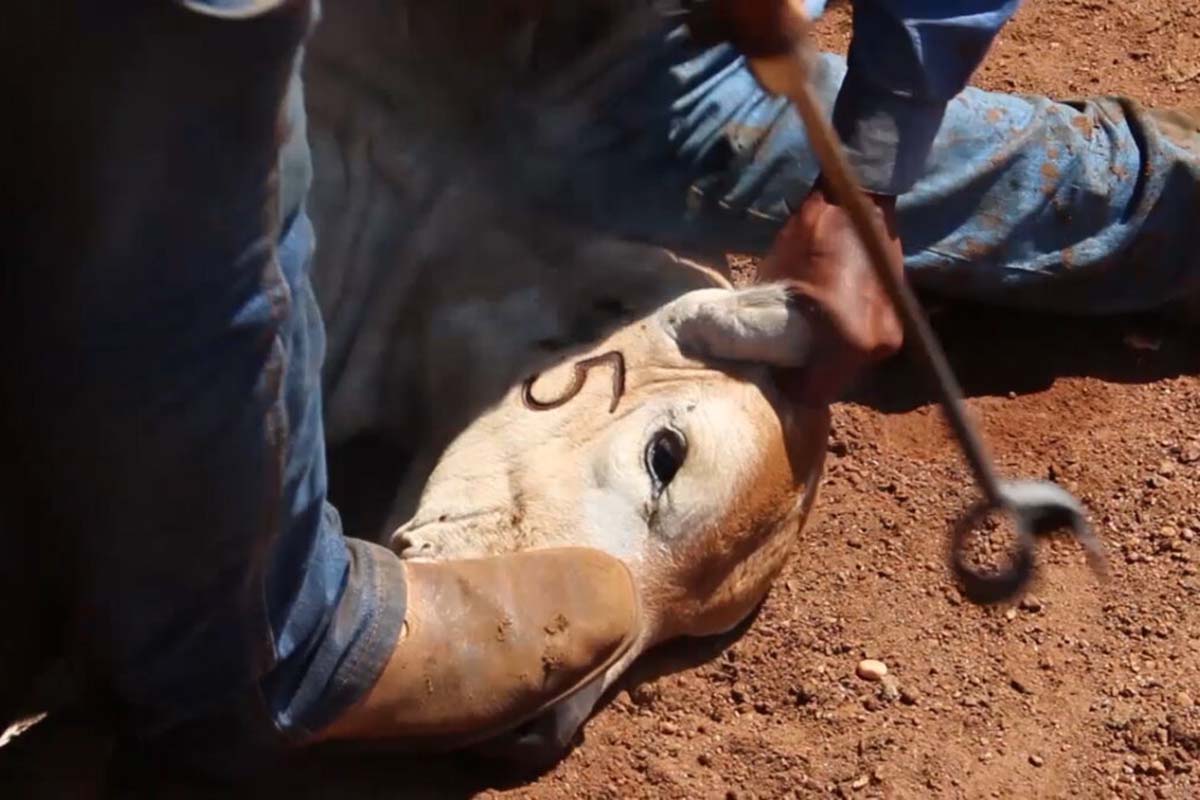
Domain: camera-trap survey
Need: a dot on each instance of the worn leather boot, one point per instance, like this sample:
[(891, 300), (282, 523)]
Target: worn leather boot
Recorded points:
[(490, 643)]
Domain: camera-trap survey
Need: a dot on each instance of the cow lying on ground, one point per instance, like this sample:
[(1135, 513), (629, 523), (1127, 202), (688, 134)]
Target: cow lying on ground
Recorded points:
[(553, 387), (558, 389)]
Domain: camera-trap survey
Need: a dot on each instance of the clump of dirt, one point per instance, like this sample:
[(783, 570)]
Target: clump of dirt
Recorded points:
[(1080, 689)]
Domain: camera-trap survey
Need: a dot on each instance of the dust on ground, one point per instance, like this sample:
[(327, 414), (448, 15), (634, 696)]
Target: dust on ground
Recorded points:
[(1082, 690)]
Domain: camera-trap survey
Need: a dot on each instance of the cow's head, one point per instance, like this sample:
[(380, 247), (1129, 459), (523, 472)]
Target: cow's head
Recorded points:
[(667, 445)]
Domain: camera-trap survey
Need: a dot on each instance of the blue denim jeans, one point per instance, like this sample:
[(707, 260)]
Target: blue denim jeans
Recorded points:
[(1079, 207), (161, 390)]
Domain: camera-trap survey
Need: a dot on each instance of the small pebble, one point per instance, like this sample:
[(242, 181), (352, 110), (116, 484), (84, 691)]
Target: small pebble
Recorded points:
[(909, 696), (859, 783), (1184, 700), (669, 728), (1030, 603), (1011, 614), (704, 760), (871, 670), (889, 688), (1155, 767), (644, 694), (1037, 761)]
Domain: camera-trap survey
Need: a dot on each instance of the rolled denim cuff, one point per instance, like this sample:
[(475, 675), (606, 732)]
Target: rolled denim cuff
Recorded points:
[(251, 732), (887, 137), (357, 645)]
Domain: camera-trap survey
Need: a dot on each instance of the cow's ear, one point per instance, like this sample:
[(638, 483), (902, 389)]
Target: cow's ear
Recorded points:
[(761, 324)]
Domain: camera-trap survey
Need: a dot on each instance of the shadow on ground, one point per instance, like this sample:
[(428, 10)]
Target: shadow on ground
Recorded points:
[(995, 353), (73, 756)]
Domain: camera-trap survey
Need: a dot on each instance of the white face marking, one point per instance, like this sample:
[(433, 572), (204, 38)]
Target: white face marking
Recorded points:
[(612, 524)]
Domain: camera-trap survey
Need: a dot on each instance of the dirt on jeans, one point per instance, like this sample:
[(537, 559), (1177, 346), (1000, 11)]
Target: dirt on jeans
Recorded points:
[(1081, 690)]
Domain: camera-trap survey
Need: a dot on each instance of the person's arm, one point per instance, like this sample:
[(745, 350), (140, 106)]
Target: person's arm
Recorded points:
[(907, 61)]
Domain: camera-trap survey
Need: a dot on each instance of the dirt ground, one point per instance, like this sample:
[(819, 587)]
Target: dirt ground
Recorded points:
[(1083, 690)]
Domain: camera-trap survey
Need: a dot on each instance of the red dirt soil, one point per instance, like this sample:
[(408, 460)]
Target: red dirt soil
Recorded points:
[(1084, 690)]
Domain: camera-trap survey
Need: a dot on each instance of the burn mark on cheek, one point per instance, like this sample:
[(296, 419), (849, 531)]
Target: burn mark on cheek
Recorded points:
[(578, 379)]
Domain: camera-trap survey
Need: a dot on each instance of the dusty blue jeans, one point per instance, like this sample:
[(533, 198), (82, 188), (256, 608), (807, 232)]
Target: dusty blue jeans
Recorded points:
[(1075, 207)]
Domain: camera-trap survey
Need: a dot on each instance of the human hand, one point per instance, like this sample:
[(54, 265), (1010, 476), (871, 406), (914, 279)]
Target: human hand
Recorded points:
[(854, 323), (758, 28)]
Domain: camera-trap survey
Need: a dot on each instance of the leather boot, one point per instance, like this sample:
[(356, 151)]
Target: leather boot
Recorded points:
[(490, 643)]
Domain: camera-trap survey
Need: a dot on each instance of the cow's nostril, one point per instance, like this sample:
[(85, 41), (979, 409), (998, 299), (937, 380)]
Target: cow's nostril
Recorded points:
[(409, 545)]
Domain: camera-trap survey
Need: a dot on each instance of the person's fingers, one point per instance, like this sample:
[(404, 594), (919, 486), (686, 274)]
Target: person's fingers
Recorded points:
[(833, 283), (763, 28)]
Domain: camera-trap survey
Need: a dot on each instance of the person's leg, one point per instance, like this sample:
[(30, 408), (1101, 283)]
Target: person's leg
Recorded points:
[(1073, 207), (1082, 207), (162, 360), (161, 401)]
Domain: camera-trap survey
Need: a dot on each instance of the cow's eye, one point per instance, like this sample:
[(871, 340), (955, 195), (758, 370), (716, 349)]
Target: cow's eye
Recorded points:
[(664, 456)]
